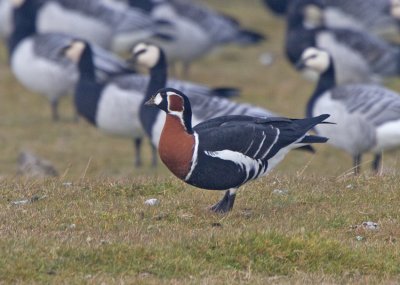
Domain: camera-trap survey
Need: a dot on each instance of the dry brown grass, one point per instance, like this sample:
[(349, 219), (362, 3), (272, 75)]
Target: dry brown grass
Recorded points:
[(99, 230)]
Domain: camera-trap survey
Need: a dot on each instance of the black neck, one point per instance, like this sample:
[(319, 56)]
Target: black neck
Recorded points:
[(88, 91), (187, 116), (326, 82), (24, 20), (158, 80), (86, 65)]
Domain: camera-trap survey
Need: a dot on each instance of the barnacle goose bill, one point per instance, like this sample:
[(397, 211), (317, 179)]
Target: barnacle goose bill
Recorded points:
[(367, 117), (225, 152)]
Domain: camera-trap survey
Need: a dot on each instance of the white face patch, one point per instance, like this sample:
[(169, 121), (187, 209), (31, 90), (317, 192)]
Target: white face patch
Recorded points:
[(158, 99), (316, 59), (313, 16), (74, 52), (148, 55), (17, 3)]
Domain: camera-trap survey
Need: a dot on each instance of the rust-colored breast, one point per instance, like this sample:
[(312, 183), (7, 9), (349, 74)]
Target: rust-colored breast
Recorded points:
[(176, 147)]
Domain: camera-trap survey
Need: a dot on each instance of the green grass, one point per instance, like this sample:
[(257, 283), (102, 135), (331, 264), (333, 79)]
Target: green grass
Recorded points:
[(99, 230)]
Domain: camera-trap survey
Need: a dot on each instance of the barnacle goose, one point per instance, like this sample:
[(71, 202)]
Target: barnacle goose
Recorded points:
[(195, 29), (359, 56), (204, 108), (225, 152), (367, 117), (38, 63)]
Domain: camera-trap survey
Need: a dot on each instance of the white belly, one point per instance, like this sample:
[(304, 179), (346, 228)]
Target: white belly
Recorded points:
[(118, 112), (41, 75), (350, 131), (388, 136)]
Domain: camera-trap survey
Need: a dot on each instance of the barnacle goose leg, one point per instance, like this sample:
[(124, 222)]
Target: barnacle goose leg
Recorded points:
[(356, 164), (376, 164), (226, 204), (54, 110), (154, 158), (138, 154)]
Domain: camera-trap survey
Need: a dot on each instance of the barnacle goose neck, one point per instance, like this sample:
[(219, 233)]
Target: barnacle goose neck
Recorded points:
[(367, 117), (37, 60), (358, 55), (204, 107), (197, 29), (225, 152)]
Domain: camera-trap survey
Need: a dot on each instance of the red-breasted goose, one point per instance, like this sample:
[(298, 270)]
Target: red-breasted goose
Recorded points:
[(225, 152)]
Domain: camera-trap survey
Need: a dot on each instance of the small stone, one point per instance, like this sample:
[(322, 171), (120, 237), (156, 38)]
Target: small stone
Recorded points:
[(21, 202), (370, 225), (31, 165), (280, 192), (33, 199), (72, 226), (152, 202), (88, 239), (67, 184), (266, 58), (359, 238), (350, 186), (144, 275)]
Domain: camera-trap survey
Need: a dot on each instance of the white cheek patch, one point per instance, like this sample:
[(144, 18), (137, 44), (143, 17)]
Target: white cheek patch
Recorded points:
[(75, 51), (150, 57), (321, 62), (158, 99)]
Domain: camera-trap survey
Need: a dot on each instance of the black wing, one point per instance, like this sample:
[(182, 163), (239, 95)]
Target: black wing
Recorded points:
[(258, 138)]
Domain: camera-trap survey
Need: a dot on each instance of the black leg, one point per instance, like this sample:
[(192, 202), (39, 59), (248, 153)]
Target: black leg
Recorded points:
[(226, 204), (154, 159), (356, 164), (138, 154), (377, 163), (54, 111)]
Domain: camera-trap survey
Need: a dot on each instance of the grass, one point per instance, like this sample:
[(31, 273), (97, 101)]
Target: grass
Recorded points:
[(98, 229)]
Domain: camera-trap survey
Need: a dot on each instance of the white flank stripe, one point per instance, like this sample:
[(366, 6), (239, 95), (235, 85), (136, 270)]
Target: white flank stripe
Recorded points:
[(247, 163), (261, 144), (278, 132), (195, 154)]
